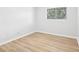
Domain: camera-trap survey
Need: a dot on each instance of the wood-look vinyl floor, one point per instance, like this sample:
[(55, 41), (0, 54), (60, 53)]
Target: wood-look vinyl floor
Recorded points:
[(41, 42)]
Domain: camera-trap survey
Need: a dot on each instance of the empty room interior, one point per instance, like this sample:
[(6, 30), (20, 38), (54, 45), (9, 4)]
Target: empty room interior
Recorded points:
[(39, 29)]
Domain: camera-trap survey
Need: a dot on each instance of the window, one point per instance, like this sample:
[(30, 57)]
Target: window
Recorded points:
[(56, 13)]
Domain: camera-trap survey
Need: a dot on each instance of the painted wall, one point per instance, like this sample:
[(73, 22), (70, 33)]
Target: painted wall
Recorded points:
[(15, 22), (78, 23), (66, 26), (78, 26)]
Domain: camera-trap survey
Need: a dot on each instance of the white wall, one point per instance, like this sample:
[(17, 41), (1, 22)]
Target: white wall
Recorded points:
[(15, 21), (36, 20), (78, 23), (66, 26)]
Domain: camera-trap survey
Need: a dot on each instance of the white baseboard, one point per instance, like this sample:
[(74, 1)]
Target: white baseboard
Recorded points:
[(59, 34), (77, 38), (15, 38), (40, 32)]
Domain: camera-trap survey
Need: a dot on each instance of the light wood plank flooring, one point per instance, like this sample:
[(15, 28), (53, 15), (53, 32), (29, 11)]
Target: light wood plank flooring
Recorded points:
[(41, 42)]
